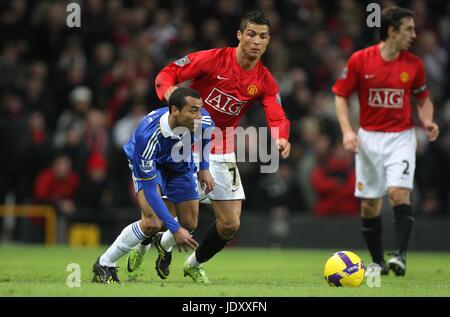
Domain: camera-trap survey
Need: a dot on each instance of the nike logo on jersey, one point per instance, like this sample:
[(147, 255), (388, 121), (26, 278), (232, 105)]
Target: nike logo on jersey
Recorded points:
[(366, 76), (221, 78)]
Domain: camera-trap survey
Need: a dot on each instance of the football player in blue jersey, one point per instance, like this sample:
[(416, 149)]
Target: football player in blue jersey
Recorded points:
[(161, 162)]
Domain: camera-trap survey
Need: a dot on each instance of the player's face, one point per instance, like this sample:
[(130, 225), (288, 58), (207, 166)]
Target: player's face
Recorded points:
[(406, 34), (254, 40), (190, 116)]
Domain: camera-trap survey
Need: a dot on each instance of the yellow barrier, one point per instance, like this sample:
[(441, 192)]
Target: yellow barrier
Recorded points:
[(83, 234), (46, 212)]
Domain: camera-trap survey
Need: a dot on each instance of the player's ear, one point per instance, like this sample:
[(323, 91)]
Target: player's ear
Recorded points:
[(173, 110), (239, 35), (391, 31)]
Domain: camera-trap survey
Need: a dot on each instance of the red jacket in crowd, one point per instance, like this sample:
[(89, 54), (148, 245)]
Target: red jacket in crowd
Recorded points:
[(334, 183), (48, 188)]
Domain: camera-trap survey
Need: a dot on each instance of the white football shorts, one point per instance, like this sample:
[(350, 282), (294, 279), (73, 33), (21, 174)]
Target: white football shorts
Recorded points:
[(385, 159), (226, 177)]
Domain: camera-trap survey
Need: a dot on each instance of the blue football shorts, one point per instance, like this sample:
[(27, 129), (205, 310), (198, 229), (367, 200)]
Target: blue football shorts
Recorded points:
[(176, 187)]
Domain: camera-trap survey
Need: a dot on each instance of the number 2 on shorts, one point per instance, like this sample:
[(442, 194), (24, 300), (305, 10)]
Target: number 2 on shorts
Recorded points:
[(406, 170)]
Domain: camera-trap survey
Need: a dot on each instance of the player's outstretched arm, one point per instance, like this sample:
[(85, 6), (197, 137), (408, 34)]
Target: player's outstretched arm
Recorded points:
[(184, 69), (182, 237), (165, 83), (350, 139), (425, 109), (158, 206)]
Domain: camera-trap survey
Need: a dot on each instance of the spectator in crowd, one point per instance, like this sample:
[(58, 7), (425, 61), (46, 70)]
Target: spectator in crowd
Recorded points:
[(10, 67), (73, 118), (93, 190), (125, 126), (95, 134), (434, 59), (13, 142), (333, 180), (57, 186), (39, 149), (100, 66), (36, 95)]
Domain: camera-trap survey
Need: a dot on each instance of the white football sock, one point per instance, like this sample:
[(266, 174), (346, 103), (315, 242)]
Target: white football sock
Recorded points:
[(167, 241), (127, 239), (192, 261)]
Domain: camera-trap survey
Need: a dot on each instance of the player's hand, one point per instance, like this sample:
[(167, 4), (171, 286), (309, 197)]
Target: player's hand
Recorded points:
[(284, 147), (184, 240), (350, 141), (206, 181), (432, 130), (169, 92)]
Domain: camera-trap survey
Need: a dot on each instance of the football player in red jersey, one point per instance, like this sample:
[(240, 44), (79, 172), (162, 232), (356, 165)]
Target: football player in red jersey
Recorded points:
[(385, 75), (229, 80)]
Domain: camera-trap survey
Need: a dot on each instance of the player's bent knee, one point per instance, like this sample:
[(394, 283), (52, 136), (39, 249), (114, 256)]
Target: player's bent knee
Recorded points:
[(151, 225), (228, 228), (187, 213), (189, 224)]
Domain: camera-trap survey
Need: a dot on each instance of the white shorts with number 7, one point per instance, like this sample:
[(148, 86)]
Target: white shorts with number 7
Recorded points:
[(226, 177)]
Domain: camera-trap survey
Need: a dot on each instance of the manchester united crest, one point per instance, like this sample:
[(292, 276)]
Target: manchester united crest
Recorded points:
[(360, 186), (252, 90), (404, 77)]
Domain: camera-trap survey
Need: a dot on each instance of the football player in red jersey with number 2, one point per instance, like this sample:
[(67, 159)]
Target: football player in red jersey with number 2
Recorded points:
[(385, 75), (229, 80)]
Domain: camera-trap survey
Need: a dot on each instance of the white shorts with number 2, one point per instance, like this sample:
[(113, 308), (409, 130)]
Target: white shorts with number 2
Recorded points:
[(385, 159)]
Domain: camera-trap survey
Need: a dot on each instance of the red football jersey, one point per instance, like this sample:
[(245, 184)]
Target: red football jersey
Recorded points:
[(384, 88), (227, 90)]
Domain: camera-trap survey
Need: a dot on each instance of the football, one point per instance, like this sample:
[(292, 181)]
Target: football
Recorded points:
[(344, 268)]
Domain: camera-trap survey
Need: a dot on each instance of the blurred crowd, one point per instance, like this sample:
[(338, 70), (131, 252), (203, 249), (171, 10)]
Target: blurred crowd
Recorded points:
[(70, 97)]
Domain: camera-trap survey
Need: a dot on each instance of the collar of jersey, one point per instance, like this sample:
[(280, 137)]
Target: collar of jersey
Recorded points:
[(165, 127)]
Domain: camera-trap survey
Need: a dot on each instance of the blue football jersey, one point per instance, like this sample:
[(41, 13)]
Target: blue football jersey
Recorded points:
[(155, 146)]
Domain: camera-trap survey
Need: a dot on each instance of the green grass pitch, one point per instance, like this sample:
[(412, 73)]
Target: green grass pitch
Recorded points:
[(237, 272)]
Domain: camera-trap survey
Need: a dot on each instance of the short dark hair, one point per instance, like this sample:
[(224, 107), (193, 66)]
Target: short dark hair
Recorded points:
[(392, 17), (255, 17), (178, 97)]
